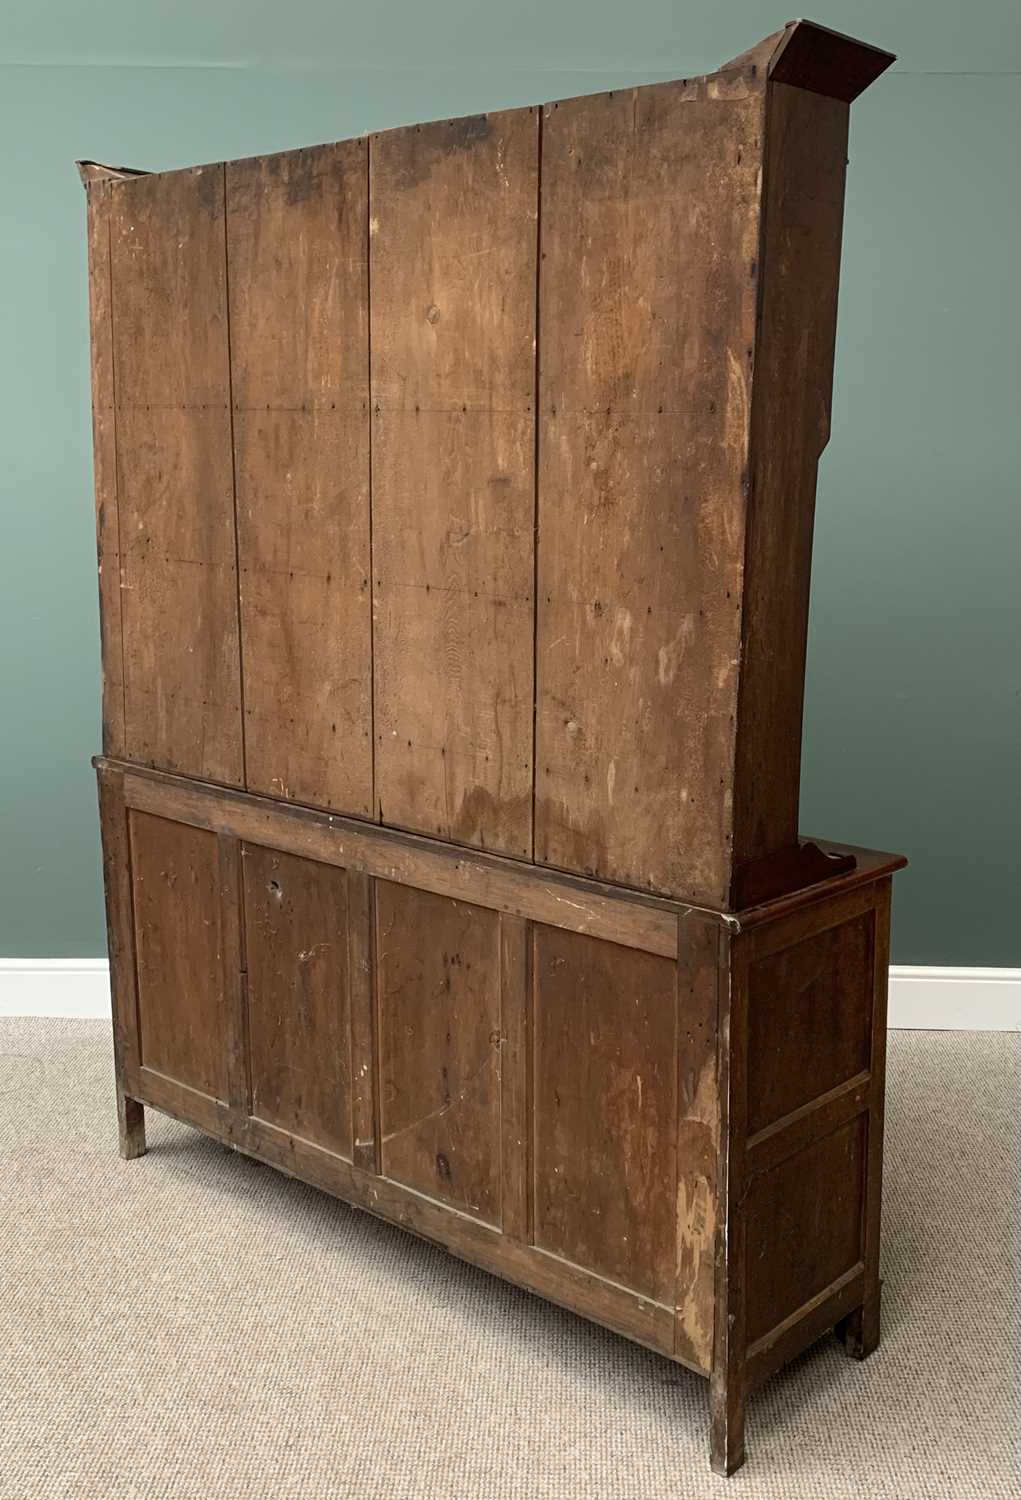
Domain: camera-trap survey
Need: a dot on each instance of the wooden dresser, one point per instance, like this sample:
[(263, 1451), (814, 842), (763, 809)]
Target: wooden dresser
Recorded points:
[(455, 492)]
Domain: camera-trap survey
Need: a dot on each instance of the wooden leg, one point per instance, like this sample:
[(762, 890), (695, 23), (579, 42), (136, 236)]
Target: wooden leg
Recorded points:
[(859, 1331), (726, 1419), (131, 1124)]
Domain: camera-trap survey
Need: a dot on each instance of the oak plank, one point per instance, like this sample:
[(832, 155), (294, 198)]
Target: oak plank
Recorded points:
[(605, 1110), (297, 253), (182, 679), (104, 461), (296, 927), (619, 916), (647, 314), (698, 1138), (453, 210), (805, 157), (438, 988), (179, 948), (516, 1083)]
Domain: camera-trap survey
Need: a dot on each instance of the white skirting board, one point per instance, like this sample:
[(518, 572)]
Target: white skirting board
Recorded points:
[(922, 998)]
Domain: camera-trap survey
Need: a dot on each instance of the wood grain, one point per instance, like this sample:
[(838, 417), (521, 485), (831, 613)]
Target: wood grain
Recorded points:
[(452, 265), (361, 922), (809, 1019), (647, 313), (296, 921), (178, 945), (614, 1306), (804, 164), (182, 679), (605, 1110), (438, 1003), (698, 1138), (804, 1226), (120, 938), (502, 885), (516, 998), (297, 252), (104, 459)]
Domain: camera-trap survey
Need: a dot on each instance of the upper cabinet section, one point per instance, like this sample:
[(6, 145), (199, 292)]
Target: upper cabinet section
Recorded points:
[(462, 477)]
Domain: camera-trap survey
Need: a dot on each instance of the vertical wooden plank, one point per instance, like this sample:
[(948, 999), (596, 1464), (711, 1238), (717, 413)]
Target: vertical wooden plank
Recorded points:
[(804, 167), (438, 988), (452, 265), (175, 474), (728, 1382), (234, 979), (180, 949), (697, 1137), (810, 1017), (515, 1076), (104, 460), (647, 314), (361, 987), (606, 1110), (120, 936), (860, 1331), (299, 1018), (297, 258)]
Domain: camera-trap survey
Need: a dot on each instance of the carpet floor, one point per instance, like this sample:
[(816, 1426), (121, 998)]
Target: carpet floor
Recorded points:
[(194, 1326)]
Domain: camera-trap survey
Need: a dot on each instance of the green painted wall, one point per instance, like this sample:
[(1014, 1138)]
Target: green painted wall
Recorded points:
[(912, 733)]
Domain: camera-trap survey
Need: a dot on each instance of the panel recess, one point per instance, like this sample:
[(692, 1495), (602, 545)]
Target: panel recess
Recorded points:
[(438, 998)]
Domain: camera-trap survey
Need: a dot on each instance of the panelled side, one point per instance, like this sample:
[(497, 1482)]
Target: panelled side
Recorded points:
[(297, 259), (182, 682), (179, 944), (452, 236), (541, 1099), (647, 300), (298, 996), (438, 990), (605, 1109), (813, 1098)]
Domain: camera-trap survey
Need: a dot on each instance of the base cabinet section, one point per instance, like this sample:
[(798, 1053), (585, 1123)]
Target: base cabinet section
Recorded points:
[(665, 1118)]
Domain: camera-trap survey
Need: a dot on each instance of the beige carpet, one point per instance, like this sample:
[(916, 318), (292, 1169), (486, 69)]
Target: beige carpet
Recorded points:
[(195, 1326)]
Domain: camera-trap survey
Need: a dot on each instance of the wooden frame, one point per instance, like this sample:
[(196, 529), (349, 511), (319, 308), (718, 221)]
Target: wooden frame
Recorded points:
[(687, 1291), (455, 492), (504, 537)]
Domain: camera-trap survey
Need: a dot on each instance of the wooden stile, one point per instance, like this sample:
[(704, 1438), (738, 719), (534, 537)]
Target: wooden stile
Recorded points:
[(455, 491)]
